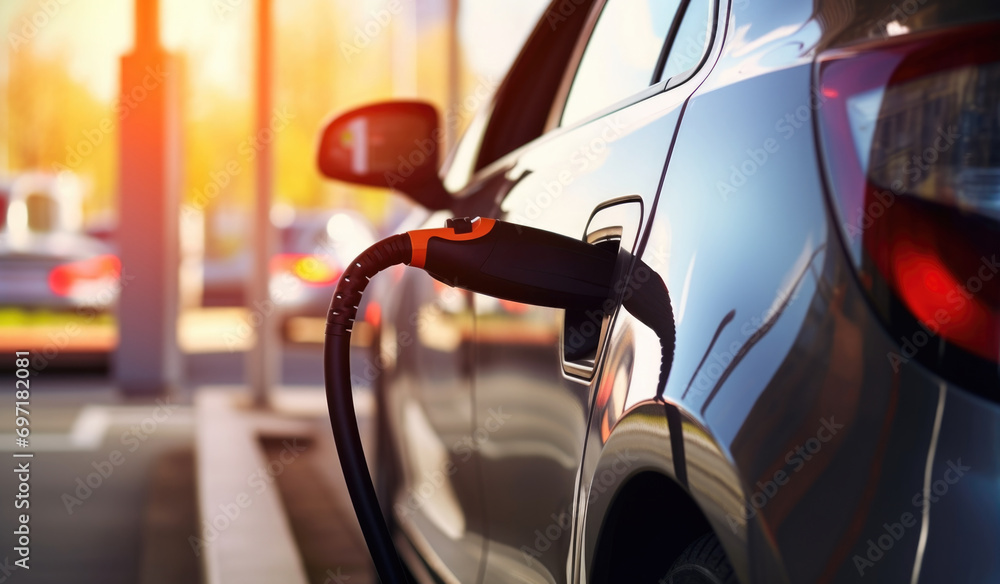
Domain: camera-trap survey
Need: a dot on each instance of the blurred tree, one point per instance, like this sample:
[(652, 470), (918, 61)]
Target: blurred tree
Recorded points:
[(330, 56), (315, 78), (56, 123)]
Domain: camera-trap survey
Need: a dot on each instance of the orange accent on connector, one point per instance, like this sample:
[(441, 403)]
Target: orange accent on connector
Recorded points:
[(421, 237)]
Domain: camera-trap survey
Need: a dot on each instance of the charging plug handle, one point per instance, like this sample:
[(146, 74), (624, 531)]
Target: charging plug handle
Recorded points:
[(516, 263), (511, 262)]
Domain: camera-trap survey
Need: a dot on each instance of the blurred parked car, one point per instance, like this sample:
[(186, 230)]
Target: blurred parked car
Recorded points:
[(58, 286), (313, 252), (58, 271), (224, 279), (5, 185), (45, 261)]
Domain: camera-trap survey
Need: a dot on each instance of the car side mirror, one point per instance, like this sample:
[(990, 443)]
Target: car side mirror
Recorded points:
[(392, 144)]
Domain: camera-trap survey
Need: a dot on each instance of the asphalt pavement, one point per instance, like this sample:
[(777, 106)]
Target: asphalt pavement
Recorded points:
[(112, 487)]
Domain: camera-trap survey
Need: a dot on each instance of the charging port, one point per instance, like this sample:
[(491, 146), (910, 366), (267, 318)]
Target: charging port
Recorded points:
[(583, 331)]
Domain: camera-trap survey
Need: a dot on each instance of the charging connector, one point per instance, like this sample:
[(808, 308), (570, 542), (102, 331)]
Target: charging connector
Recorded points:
[(491, 257)]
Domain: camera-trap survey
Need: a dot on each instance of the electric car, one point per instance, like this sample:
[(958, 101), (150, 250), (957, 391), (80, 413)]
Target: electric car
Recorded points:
[(818, 186)]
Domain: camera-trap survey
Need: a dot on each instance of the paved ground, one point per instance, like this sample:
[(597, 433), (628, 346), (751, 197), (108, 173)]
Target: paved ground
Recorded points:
[(322, 521), (169, 515), (133, 525), (88, 516)]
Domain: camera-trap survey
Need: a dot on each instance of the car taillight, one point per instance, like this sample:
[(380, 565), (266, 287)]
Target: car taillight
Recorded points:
[(373, 314), (311, 269), (87, 278), (910, 136)]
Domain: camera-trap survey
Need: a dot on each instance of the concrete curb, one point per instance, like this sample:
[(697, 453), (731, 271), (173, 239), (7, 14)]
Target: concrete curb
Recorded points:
[(244, 535)]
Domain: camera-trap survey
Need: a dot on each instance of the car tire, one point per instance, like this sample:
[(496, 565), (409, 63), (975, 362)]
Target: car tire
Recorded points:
[(703, 562)]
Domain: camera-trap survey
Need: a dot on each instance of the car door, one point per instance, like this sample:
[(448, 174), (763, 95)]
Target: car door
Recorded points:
[(427, 339), (593, 175)]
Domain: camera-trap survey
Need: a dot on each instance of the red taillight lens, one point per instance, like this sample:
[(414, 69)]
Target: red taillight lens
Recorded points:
[(910, 134), (310, 269), (373, 314), (85, 277)]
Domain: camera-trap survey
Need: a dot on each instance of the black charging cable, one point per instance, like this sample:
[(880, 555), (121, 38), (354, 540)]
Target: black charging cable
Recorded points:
[(340, 400), (507, 261)]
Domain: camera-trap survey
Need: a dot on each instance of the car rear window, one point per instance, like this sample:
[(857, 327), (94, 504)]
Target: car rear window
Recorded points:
[(846, 23)]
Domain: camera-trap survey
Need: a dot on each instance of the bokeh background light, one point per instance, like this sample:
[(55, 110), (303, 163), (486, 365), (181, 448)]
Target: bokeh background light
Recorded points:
[(189, 441), (59, 104)]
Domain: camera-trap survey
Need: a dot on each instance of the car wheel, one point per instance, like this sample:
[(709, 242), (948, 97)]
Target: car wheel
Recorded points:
[(703, 562)]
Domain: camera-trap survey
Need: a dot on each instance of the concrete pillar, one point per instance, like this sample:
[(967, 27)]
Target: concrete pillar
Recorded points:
[(263, 364), (147, 362)]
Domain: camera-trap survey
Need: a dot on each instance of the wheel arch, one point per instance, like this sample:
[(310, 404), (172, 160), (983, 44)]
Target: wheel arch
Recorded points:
[(626, 549), (620, 506)]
